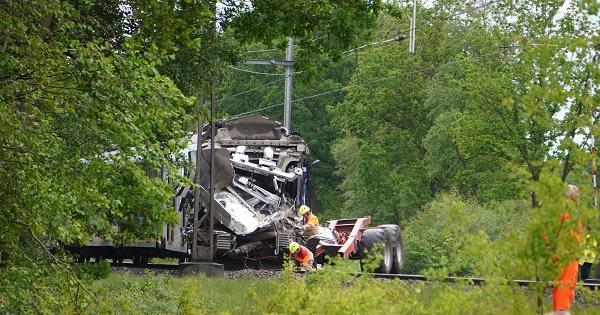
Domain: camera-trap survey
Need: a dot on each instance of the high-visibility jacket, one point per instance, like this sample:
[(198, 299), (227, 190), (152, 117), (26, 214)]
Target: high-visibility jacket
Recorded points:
[(563, 291), (590, 250), (312, 220), (304, 257), (576, 234)]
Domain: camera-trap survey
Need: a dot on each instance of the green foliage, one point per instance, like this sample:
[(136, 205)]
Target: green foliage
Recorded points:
[(552, 239), (442, 235), (333, 292), (89, 90), (93, 271), (147, 294), (164, 294), (42, 290), (75, 113), (187, 301), (462, 114), (372, 260), (326, 27)]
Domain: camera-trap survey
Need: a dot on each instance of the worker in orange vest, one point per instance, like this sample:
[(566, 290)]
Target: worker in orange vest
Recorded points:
[(302, 256), (563, 291), (309, 219), (310, 228)]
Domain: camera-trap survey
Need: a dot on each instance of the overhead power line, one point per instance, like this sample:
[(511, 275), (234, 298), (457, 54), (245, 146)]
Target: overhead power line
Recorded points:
[(261, 50), (469, 10), (256, 72), (358, 85), (347, 53), (401, 36), (252, 89), (396, 38), (337, 90)]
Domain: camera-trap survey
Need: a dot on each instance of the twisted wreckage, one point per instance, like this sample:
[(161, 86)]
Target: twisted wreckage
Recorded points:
[(261, 174), (261, 178)]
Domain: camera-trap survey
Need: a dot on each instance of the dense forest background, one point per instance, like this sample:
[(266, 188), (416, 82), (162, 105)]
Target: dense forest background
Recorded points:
[(395, 129), (467, 144), (450, 140)]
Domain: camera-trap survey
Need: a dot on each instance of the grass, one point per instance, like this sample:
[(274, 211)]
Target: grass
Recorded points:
[(327, 292), (166, 294)]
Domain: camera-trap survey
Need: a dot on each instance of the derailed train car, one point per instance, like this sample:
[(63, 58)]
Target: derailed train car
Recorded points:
[(261, 177)]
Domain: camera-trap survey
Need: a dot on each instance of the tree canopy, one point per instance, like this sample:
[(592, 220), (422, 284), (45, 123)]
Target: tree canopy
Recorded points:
[(96, 96), (492, 113)]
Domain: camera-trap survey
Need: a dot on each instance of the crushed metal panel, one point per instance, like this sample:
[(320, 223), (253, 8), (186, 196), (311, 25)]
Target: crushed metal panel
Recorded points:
[(223, 168), (243, 220), (254, 127)]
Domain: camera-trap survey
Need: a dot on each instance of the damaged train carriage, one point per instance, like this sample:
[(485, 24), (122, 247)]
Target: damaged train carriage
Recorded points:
[(261, 175)]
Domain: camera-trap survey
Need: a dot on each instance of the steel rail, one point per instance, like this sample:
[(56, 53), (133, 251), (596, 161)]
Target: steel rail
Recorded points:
[(591, 283), (146, 266)]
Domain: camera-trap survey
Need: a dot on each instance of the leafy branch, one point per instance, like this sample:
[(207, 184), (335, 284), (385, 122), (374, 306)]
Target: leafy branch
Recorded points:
[(59, 263)]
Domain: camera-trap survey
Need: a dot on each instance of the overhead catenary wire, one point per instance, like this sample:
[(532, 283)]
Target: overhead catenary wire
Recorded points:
[(261, 73), (344, 54), (261, 50), (396, 38), (256, 72), (358, 85), (252, 89), (400, 36), (469, 10)]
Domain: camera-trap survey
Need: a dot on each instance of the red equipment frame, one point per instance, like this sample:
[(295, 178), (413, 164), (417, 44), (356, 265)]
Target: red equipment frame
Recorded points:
[(348, 233)]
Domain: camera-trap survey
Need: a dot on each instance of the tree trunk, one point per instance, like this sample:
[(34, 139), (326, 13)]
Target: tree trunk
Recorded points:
[(535, 176)]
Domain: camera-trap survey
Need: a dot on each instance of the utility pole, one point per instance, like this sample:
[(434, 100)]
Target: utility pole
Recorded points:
[(288, 64), (195, 253), (203, 257), (211, 216), (287, 111), (413, 26)]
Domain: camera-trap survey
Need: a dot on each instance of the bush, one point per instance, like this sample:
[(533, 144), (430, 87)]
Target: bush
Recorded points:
[(330, 291), (93, 271), (444, 234)]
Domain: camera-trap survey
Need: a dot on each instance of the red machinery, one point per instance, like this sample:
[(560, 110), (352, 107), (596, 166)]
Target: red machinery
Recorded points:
[(348, 233), (353, 237)]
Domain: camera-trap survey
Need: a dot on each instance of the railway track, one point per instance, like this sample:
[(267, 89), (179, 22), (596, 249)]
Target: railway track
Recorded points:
[(172, 269), (131, 268), (274, 272), (146, 266), (591, 283)]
